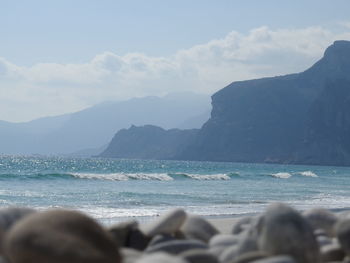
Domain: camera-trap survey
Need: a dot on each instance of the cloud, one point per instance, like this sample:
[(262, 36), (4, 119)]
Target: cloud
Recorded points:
[(53, 88)]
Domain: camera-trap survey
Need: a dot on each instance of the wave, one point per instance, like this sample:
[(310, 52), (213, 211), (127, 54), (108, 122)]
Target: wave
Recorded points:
[(283, 175), (120, 176), (154, 176), (286, 175), (150, 176), (125, 176), (308, 173)]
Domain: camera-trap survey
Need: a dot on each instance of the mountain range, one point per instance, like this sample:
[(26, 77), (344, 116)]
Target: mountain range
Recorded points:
[(87, 132), (299, 118)]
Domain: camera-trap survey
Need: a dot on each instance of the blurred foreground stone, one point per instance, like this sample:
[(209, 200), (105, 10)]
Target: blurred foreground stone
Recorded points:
[(279, 235)]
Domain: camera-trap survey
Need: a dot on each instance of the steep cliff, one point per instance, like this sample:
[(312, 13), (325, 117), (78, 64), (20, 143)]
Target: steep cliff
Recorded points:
[(298, 118), (280, 119)]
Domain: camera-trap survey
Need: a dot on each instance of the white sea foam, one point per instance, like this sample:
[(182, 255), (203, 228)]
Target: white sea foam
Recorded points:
[(308, 173), (209, 176), (149, 176), (124, 176), (281, 175)]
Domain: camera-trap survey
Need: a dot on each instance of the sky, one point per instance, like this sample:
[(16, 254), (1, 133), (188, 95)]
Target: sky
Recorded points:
[(61, 56)]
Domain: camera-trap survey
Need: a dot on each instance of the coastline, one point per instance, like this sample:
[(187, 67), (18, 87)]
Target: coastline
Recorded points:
[(317, 234)]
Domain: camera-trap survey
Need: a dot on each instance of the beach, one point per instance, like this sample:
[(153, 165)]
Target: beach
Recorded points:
[(280, 234)]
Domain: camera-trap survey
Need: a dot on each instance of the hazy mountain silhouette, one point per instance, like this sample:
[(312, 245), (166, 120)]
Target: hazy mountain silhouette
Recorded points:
[(95, 126)]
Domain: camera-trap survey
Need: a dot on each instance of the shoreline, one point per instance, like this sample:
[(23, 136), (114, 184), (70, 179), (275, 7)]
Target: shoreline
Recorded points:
[(318, 234)]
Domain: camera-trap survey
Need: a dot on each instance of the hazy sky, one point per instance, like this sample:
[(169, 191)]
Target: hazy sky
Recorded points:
[(59, 56)]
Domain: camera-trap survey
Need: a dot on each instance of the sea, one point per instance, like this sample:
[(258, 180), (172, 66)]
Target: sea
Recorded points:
[(114, 190)]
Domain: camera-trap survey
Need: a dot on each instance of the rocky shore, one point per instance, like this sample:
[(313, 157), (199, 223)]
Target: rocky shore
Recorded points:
[(279, 235)]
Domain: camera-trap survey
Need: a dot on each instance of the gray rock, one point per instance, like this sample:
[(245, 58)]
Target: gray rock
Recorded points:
[(137, 240), (343, 214), (229, 254), (283, 231), (241, 224), (323, 240), (321, 219), (160, 239), (342, 230), (130, 255), (176, 246), (332, 252), (58, 236), (247, 243), (250, 256), (199, 256), (319, 232), (217, 251), (9, 216), (198, 228), (121, 232), (160, 258), (168, 223), (277, 259), (223, 240)]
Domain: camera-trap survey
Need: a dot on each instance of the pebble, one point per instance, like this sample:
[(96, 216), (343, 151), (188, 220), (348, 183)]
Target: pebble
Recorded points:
[(342, 230), (223, 240), (9, 216), (319, 232), (198, 228), (160, 258), (284, 231), (58, 236), (199, 256), (168, 223), (277, 259), (130, 255), (280, 235), (241, 225), (323, 240), (246, 245), (250, 256), (121, 232), (321, 219), (176, 246), (332, 252), (160, 238), (217, 251), (137, 240)]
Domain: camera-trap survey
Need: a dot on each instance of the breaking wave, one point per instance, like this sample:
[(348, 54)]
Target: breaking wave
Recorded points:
[(120, 176), (151, 176), (308, 173), (282, 175)]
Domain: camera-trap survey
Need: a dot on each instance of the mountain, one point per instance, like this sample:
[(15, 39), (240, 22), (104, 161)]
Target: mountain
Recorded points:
[(89, 129), (148, 142), (297, 118), (278, 119)]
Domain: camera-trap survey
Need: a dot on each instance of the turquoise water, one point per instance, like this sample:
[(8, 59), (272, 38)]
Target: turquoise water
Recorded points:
[(113, 190)]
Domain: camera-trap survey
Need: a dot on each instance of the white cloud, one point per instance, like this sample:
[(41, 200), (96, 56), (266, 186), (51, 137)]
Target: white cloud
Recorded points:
[(52, 88)]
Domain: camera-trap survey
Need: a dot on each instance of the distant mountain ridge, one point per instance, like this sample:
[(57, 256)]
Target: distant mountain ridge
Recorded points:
[(148, 142), (298, 118), (82, 132)]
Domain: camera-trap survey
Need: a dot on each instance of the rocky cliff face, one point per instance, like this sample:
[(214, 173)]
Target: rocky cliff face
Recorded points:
[(327, 131), (298, 118)]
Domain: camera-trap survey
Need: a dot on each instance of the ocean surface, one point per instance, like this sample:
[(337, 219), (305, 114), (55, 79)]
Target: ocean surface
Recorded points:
[(112, 190)]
